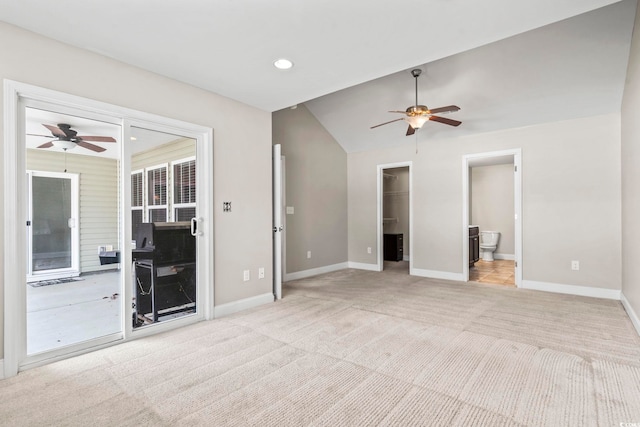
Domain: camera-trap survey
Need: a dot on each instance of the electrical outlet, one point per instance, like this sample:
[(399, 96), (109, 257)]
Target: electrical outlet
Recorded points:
[(575, 265), (247, 275), (308, 254), (261, 273), (369, 250)]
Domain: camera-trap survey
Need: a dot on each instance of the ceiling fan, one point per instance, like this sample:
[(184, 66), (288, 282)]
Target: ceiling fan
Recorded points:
[(417, 115), (67, 138)]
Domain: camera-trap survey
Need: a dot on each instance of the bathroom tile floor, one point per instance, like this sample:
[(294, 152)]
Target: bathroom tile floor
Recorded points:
[(499, 272)]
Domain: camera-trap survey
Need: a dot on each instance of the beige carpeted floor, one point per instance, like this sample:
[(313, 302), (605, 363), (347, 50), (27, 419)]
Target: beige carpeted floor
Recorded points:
[(356, 348)]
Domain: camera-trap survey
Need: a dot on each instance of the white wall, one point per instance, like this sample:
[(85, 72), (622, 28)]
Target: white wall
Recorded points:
[(316, 187), (242, 154), (492, 205), (631, 178), (571, 199)]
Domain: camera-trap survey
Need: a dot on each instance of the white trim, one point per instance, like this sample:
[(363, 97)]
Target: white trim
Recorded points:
[(559, 288), (406, 258), (510, 257), (315, 271), (363, 266), (243, 304), (635, 320), (517, 208), (380, 201), (433, 274), (1, 369)]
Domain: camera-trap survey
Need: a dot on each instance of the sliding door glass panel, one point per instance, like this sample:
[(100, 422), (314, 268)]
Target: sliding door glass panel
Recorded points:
[(73, 284), (163, 226)]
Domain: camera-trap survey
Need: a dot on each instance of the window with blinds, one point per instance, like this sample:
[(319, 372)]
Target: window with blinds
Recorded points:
[(150, 200), (157, 206), (137, 201), (184, 190)]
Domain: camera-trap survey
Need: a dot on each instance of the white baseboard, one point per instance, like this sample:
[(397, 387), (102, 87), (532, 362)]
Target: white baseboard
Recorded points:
[(243, 304), (315, 271), (1, 369), (510, 257), (630, 312), (405, 258), (584, 291), (363, 266), (434, 274)]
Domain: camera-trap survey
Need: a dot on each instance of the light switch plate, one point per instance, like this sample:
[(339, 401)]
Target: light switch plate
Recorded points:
[(290, 210)]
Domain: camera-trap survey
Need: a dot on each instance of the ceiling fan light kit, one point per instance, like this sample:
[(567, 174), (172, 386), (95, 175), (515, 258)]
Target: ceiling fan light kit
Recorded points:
[(65, 145), (417, 115)]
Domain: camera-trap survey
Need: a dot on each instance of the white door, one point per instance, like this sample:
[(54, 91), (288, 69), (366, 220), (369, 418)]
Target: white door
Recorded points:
[(277, 221), (52, 226)]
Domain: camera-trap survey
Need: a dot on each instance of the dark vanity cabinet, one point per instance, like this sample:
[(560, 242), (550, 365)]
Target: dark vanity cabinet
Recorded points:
[(474, 245), (393, 247)]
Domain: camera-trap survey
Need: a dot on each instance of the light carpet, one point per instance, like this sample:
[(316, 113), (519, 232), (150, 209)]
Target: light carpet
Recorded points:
[(358, 348)]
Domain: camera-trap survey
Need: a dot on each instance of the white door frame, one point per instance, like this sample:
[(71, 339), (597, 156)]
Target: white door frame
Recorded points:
[(380, 228), (278, 226), (74, 270), (517, 208), (15, 215)]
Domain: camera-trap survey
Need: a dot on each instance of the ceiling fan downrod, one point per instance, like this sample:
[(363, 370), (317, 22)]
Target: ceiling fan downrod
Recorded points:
[(416, 73)]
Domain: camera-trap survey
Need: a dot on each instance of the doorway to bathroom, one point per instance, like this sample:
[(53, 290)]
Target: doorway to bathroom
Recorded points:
[(394, 218), (492, 226)]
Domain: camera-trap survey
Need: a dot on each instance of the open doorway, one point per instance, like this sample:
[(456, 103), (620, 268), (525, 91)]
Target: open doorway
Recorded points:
[(395, 225), (492, 220)]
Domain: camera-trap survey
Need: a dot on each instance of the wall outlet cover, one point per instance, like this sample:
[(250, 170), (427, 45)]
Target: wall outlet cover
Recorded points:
[(261, 273), (290, 210)]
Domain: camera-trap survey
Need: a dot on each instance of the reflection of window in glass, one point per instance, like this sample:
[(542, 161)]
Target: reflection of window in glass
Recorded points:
[(157, 194), (137, 201), (184, 189)]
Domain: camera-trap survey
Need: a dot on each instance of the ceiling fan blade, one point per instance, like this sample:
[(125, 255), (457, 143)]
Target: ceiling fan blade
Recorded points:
[(91, 147), (447, 109), (386, 123), (445, 121), (97, 138), (35, 134), (55, 130), (410, 130), (46, 144)]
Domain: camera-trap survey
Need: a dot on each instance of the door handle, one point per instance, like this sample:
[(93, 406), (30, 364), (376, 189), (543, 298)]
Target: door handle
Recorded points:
[(194, 227)]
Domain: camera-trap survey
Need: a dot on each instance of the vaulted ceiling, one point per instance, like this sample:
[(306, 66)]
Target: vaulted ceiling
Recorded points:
[(504, 63)]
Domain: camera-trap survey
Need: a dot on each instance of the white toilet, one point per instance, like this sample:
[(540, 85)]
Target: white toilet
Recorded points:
[(488, 244)]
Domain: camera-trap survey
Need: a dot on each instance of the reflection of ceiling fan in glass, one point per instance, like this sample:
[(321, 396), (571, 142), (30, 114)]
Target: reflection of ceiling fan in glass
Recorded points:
[(418, 115), (67, 138)]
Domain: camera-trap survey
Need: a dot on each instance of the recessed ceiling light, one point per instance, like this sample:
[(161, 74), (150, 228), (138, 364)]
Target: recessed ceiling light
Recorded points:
[(283, 64)]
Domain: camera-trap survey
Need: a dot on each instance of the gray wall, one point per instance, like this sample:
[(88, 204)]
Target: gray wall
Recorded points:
[(316, 187), (396, 205), (242, 154), (491, 204), (631, 176), (571, 199)]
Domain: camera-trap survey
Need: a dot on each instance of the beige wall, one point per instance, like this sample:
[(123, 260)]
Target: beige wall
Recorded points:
[(571, 199), (631, 175), (242, 154), (316, 187), (98, 178), (396, 205), (491, 203)]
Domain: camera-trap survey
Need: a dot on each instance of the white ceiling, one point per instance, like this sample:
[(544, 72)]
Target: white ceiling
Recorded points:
[(574, 68), (569, 69)]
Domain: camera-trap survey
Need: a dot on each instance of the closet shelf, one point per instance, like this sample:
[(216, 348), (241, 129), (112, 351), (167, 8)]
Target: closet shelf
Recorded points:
[(389, 219), (389, 176)]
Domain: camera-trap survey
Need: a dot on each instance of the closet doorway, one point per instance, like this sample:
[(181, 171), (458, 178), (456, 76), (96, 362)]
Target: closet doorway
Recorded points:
[(394, 214)]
